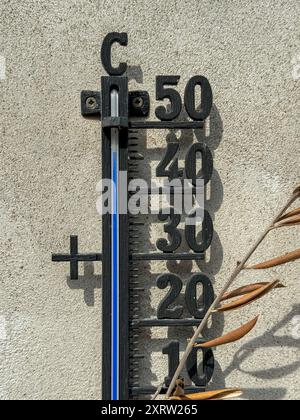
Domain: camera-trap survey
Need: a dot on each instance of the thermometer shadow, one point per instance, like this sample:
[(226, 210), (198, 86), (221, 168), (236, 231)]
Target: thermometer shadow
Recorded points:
[(88, 282), (135, 73), (212, 136)]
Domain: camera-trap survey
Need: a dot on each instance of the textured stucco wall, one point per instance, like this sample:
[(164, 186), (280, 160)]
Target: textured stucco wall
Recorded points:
[(50, 329)]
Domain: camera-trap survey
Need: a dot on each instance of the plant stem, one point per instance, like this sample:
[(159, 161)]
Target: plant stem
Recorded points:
[(217, 301), (159, 388)]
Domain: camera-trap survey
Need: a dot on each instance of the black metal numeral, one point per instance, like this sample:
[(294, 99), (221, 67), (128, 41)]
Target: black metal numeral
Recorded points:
[(206, 98), (172, 172), (164, 311), (208, 366), (191, 163), (175, 282), (206, 234), (168, 93), (201, 380), (172, 351), (191, 295), (171, 229), (168, 167)]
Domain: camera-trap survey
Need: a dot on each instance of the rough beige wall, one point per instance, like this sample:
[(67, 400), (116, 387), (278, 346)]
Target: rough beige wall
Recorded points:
[(50, 341)]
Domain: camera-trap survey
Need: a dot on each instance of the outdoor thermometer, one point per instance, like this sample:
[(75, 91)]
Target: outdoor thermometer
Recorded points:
[(125, 122)]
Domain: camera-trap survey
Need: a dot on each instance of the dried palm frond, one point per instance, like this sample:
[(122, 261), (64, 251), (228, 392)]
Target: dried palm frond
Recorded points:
[(244, 290), (288, 221), (297, 191), (221, 394), (248, 298), (284, 259), (230, 337), (258, 291), (295, 212)]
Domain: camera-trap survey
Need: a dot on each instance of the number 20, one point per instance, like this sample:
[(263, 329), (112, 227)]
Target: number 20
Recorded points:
[(165, 312)]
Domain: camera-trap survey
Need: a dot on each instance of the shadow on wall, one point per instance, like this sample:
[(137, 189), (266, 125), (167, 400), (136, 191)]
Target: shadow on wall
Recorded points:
[(88, 283), (268, 340)]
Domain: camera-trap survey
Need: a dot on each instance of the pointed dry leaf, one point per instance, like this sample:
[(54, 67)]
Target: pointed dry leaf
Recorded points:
[(230, 337), (248, 298), (179, 388), (241, 291), (221, 394), (295, 212), (297, 191), (288, 221), (179, 392), (291, 256)]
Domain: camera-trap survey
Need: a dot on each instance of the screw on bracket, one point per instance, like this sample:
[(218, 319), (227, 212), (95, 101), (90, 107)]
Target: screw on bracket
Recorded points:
[(74, 257), (91, 102), (138, 103)]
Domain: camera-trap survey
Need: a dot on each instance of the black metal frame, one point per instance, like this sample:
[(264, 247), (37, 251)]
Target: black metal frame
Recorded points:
[(137, 104)]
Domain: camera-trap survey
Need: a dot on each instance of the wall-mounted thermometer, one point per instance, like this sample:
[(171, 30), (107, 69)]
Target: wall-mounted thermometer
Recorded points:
[(123, 117)]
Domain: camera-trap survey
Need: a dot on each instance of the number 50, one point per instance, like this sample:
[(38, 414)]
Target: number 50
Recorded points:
[(175, 108)]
